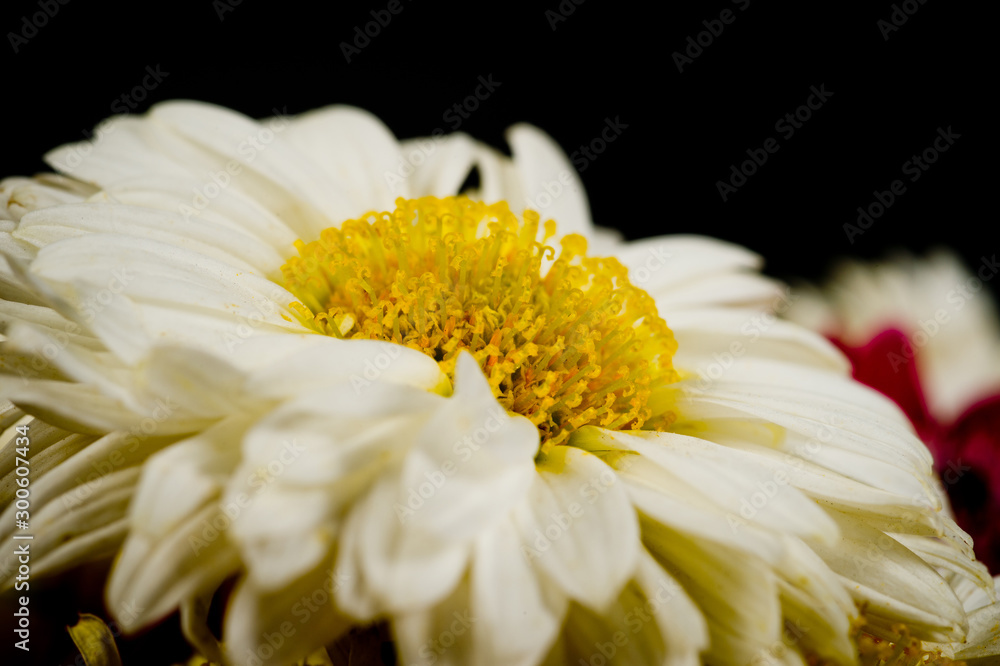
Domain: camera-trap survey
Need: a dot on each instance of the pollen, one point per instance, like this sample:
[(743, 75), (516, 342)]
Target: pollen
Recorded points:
[(564, 339), (896, 646), (903, 650)]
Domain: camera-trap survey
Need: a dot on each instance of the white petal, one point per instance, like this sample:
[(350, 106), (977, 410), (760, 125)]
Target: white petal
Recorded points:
[(832, 428), (68, 527), (12, 248), (50, 445), (62, 524), (301, 613), (97, 368), (77, 478), (740, 603), (672, 261), (198, 466), (178, 544), (737, 486), (123, 148), (299, 364), (20, 196), (499, 179), (156, 272), (723, 289), (948, 557), (395, 570), (547, 175), (477, 460), (229, 208), (814, 601), (73, 406), (440, 635), (711, 341), (680, 621), (579, 527), (168, 571), (270, 168), (513, 624), (281, 534), (96, 543), (132, 292), (211, 240), (690, 514), (983, 641), (48, 320), (896, 584), (352, 148), (193, 384), (194, 625), (651, 622), (439, 165), (328, 435), (881, 509)]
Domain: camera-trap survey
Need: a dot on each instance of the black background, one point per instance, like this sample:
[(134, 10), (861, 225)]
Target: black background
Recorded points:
[(605, 60)]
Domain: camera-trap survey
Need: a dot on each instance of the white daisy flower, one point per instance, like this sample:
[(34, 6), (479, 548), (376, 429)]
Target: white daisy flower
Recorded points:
[(444, 416)]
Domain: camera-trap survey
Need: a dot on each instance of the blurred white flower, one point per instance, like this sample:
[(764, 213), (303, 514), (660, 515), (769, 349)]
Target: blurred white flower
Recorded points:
[(946, 313)]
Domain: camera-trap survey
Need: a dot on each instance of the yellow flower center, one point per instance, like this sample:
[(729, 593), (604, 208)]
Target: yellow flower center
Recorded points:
[(578, 345)]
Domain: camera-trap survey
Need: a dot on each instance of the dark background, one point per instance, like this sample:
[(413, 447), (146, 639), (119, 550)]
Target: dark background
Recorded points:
[(605, 60)]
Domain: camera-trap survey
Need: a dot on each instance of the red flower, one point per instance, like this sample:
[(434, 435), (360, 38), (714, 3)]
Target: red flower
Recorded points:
[(970, 469)]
